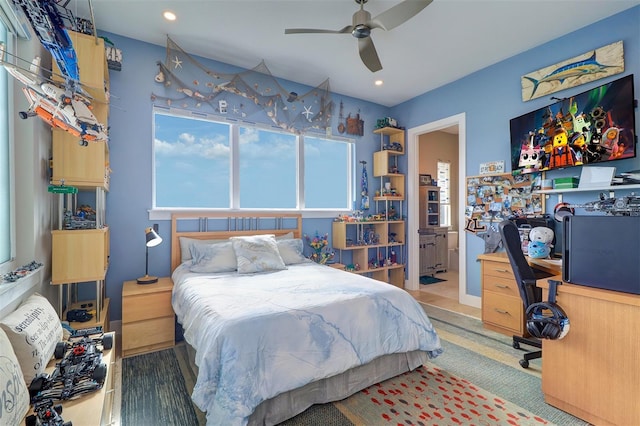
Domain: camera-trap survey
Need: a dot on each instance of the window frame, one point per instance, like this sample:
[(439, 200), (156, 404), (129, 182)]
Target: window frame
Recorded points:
[(164, 213), (10, 264)]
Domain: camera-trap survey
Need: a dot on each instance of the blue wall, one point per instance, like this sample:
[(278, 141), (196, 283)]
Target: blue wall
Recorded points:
[(490, 98), (130, 194)]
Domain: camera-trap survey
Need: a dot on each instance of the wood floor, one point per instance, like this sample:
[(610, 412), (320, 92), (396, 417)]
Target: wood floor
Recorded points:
[(445, 295)]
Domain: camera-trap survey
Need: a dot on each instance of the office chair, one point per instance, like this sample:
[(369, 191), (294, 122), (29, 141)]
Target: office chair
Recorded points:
[(526, 280)]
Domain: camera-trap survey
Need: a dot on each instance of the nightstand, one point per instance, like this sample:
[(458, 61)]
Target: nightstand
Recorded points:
[(148, 320)]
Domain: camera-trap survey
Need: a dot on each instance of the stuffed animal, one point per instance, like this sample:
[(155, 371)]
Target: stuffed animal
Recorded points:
[(540, 239)]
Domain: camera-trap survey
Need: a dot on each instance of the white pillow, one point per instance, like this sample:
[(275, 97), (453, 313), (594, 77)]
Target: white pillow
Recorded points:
[(216, 257), (34, 329), (185, 243), (257, 253), (14, 398), (287, 236), (291, 251)]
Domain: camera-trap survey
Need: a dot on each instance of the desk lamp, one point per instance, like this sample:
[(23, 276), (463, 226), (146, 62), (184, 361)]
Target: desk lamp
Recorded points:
[(153, 239)]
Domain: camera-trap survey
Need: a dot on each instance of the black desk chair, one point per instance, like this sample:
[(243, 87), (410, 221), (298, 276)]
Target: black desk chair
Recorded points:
[(526, 280)]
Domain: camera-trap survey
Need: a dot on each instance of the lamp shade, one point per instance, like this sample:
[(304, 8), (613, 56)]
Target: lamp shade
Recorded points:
[(152, 237)]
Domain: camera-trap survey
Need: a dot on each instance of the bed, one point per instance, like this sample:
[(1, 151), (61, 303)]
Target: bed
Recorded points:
[(270, 341)]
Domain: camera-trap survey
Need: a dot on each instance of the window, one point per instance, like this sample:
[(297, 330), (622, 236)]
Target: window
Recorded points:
[(444, 182), (6, 171), (203, 163)]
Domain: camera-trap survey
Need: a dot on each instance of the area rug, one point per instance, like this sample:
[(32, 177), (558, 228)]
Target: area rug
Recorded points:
[(431, 395), (154, 391), (427, 279), (478, 367)]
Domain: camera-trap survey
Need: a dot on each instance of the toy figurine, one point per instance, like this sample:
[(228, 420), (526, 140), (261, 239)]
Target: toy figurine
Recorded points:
[(540, 239)]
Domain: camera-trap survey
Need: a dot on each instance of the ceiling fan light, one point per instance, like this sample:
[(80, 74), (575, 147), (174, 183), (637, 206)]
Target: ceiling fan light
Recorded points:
[(361, 31), (169, 15), (378, 82)]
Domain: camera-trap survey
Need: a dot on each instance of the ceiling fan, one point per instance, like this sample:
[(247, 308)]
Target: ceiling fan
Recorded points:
[(362, 24)]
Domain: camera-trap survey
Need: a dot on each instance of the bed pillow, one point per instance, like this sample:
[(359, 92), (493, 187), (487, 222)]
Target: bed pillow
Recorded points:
[(13, 388), (291, 251), (215, 257), (257, 253), (185, 243), (287, 236), (34, 329)]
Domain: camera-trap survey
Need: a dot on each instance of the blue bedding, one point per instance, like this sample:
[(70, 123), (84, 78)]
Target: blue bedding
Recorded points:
[(259, 335)]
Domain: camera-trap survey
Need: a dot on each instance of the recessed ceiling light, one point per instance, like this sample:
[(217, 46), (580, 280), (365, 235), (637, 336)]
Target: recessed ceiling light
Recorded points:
[(169, 15), (379, 82)]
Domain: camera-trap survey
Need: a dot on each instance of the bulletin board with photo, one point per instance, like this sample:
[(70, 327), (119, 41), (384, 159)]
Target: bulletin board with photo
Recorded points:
[(493, 198)]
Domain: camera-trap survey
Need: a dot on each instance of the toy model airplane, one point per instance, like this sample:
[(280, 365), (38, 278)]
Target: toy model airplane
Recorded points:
[(59, 106), (47, 19)]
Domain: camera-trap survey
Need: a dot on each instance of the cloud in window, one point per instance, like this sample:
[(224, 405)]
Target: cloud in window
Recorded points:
[(188, 145)]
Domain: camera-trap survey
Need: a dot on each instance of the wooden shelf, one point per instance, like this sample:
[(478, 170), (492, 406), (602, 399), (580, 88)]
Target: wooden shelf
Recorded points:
[(93, 408), (79, 255), (103, 321), (599, 188)]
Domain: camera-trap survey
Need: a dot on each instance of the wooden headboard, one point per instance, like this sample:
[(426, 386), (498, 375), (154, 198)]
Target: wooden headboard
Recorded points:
[(206, 226)]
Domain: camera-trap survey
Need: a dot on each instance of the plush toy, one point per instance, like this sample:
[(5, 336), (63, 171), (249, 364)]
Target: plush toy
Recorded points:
[(540, 239)]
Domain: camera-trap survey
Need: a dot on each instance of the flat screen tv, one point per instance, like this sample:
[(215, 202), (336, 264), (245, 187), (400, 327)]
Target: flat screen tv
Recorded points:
[(592, 127)]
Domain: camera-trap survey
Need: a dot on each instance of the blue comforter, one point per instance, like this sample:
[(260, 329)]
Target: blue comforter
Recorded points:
[(259, 335)]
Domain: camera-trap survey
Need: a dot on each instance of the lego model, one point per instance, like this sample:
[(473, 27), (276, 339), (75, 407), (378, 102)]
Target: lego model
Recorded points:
[(80, 370), (46, 414)]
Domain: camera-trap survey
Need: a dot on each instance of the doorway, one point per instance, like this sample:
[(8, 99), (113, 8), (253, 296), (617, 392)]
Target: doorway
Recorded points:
[(454, 124)]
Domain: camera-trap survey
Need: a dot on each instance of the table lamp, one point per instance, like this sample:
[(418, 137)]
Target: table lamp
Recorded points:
[(152, 240)]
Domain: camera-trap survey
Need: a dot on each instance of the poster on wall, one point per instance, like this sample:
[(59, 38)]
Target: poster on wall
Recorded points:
[(590, 66)]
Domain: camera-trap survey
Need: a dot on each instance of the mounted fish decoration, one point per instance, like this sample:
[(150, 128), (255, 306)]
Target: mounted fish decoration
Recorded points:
[(590, 66)]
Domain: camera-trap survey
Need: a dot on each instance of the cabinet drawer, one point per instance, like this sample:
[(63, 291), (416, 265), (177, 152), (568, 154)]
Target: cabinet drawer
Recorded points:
[(497, 269), (506, 286), (146, 306), (148, 333), (503, 311)]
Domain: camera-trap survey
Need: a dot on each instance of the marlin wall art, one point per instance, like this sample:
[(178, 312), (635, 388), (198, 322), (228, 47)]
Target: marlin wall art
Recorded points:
[(593, 65)]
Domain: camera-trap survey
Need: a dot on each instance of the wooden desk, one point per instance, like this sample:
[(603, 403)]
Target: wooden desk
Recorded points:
[(594, 372), (502, 307)]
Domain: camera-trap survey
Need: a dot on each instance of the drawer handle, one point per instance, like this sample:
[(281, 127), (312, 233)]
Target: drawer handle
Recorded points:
[(501, 270), (501, 286), (501, 311)]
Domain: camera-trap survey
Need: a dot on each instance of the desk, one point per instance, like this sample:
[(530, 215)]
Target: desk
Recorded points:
[(502, 307), (594, 372)]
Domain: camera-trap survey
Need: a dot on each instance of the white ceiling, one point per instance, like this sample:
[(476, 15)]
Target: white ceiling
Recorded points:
[(444, 42)]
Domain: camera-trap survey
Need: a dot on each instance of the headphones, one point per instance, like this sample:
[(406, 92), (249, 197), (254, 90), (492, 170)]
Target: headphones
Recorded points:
[(561, 210), (547, 320), (544, 326)]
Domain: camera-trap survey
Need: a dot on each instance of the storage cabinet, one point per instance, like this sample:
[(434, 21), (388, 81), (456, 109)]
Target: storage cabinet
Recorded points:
[(502, 307), (80, 250), (433, 250), (80, 166), (148, 320), (429, 206)]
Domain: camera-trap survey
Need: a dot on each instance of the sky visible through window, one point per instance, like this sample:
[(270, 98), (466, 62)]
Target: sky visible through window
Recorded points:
[(193, 167)]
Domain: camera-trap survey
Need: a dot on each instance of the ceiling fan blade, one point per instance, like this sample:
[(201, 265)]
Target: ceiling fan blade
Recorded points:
[(368, 54), (398, 14), (344, 30)]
